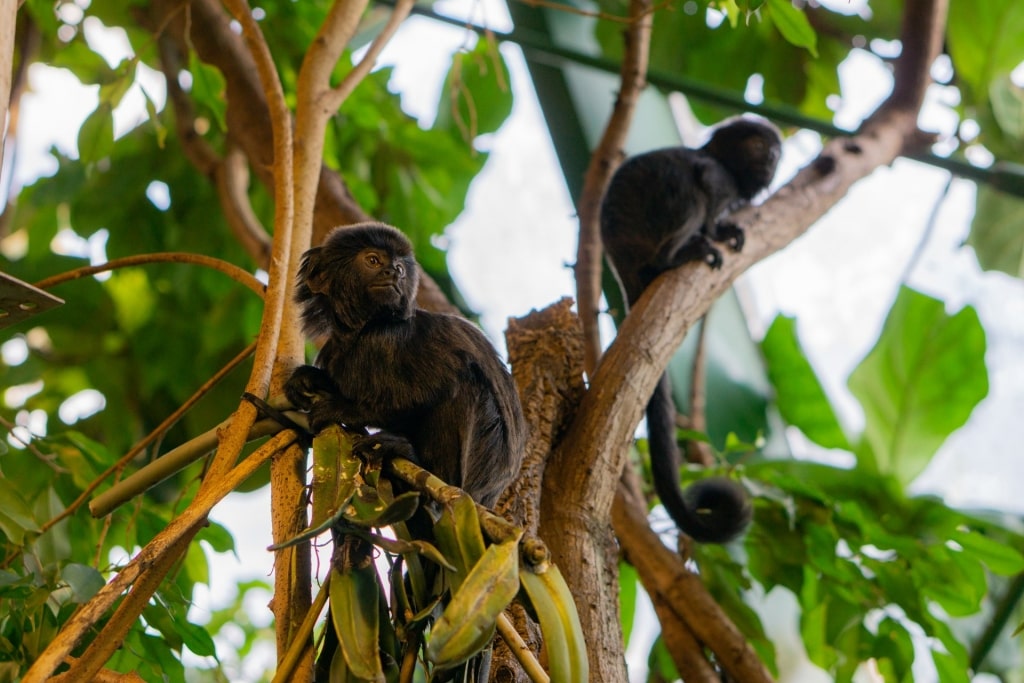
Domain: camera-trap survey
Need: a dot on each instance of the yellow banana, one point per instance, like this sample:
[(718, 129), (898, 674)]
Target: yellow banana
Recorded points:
[(559, 623)]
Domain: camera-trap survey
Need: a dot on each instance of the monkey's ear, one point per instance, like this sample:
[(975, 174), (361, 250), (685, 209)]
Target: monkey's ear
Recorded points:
[(312, 271)]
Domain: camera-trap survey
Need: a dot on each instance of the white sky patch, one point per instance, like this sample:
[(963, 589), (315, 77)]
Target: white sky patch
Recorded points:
[(79, 406)]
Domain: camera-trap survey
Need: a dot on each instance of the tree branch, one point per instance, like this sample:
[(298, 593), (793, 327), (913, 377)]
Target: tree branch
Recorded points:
[(230, 269), (675, 589), (545, 351), (603, 162), (208, 31), (230, 173), (164, 543)]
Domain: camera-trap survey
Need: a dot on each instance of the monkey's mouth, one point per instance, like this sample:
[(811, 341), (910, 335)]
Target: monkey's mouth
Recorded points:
[(386, 290)]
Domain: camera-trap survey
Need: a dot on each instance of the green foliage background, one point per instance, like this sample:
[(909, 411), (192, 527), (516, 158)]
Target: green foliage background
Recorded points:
[(869, 563)]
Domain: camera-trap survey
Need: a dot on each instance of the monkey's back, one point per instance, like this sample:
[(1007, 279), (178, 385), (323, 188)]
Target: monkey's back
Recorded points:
[(649, 211)]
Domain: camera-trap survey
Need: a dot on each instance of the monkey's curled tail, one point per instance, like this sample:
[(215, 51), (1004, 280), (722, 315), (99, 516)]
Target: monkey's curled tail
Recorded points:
[(714, 510)]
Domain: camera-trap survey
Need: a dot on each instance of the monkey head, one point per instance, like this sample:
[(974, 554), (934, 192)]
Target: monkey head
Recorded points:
[(364, 273), (749, 149)]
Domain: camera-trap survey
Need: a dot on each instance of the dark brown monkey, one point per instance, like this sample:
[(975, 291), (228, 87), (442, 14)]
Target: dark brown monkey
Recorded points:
[(431, 382), (661, 210)]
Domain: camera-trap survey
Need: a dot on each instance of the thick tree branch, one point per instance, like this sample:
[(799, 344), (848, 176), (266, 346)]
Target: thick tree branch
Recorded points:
[(680, 592), (8, 20), (230, 174), (545, 349), (603, 162)]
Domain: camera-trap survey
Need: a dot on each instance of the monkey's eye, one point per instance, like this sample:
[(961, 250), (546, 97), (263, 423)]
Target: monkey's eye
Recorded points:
[(374, 260), (399, 269)]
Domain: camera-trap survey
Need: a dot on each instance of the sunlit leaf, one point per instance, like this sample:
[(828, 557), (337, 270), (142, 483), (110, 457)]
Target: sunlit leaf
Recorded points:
[(476, 97), (799, 394), (920, 382), (793, 25), (998, 25), (999, 557)]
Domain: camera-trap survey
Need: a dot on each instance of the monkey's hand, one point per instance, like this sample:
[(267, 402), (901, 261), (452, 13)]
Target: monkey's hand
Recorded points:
[(308, 386), (730, 233)]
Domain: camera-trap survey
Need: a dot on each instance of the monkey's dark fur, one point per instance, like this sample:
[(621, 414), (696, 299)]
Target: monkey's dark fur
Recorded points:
[(661, 210), (431, 382)]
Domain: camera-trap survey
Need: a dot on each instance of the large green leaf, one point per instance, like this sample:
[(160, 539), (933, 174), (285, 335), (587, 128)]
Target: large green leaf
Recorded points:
[(798, 393), (996, 234), (477, 94), (920, 382), (986, 40)]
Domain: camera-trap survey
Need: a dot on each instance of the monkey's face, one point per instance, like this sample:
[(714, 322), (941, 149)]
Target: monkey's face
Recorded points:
[(361, 274), (387, 283)]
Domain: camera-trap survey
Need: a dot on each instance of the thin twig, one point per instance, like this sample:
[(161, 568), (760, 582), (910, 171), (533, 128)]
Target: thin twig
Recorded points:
[(231, 270), (360, 70), (605, 159), (159, 431)]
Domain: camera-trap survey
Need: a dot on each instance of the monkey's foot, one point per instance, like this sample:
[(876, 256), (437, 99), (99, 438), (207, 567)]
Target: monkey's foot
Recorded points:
[(731, 234), (383, 445)]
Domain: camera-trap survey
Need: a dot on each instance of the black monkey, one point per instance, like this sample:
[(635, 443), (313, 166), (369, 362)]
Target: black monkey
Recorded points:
[(431, 382), (662, 209)]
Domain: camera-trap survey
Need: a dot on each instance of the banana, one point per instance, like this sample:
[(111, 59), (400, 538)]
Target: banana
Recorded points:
[(468, 622), (356, 619), (458, 537), (559, 623)]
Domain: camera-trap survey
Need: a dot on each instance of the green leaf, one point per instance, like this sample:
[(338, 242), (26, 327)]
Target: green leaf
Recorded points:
[(799, 394), (793, 25), (894, 644), (16, 517), (196, 639), (1007, 99), (477, 95), (996, 236), (920, 382), (84, 581), (660, 665), (208, 88), (949, 668), (458, 537), (96, 136), (154, 119), (999, 557), (954, 580), (986, 41), (113, 91)]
